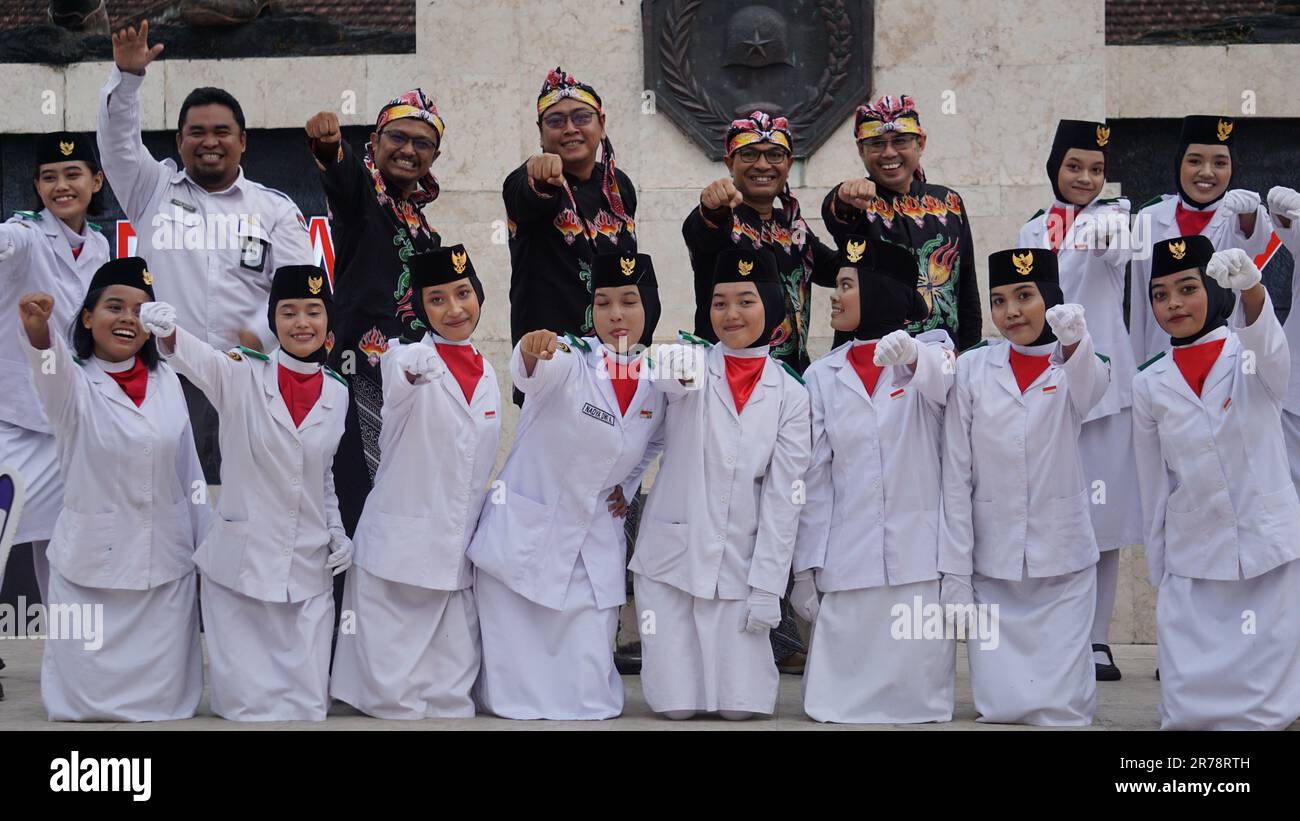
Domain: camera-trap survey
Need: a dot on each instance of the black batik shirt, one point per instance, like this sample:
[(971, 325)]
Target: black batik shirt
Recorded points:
[(932, 221), (372, 283), (801, 260), (552, 247)]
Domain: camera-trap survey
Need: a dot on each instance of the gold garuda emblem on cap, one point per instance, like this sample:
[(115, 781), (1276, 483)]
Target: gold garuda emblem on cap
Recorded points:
[(744, 268), (147, 277), (458, 260), (1024, 263), (1225, 128), (66, 148), (1178, 249), (1103, 136), (314, 284), (855, 250), (628, 265)]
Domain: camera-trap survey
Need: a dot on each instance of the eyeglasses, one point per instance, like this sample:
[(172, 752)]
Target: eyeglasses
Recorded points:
[(903, 142), (581, 119), (774, 156), (397, 139)]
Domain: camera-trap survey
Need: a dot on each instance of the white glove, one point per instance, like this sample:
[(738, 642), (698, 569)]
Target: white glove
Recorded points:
[(955, 590), (420, 361), (684, 362), (1067, 322), (1233, 269), (764, 611), (158, 318), (340, 557), (1283, 201), (896, 348), (1240, 201), (803, 598)]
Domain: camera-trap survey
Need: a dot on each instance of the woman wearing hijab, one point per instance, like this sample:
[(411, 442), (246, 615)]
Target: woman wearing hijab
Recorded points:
[(54, 251), (267, 602), (1017, 532), (549, 555), (1090, 237), (125, 547), (414, 649), (1217, 492), (1231, 218), (717, 535), (869, 530)]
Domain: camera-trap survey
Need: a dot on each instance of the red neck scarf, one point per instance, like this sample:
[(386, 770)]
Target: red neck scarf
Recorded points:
[(1027, 368), (1195, 361), (76, 252), (1064, 217), (465, 363), (133, 381), (299, 391), (862, 358), (623, 376), (742, 375), (1192, 222)]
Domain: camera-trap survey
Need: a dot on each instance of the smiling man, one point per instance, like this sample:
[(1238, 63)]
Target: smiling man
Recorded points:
[(377, 222), (897, 204), (213, 238), (563, 207), (740, 211)]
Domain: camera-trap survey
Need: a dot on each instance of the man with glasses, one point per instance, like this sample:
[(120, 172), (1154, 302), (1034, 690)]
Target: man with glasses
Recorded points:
[(564, 207), (897, 204), (376, 203), (741, 210)]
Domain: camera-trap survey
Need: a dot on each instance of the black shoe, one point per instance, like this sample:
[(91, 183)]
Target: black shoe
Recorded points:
[(628, 664), (1106, 672)]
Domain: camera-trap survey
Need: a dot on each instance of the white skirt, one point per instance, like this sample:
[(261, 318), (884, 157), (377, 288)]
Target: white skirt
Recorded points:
[(1291, 435), (1041, 670), (35, 457), (267, 661), (858, 673), (149, 666), (1230, 651), (696, 654), (414, 652), (1106, 449), (544, 663)]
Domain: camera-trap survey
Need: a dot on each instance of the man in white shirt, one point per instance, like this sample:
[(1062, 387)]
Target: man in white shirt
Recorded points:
[(212, 237)]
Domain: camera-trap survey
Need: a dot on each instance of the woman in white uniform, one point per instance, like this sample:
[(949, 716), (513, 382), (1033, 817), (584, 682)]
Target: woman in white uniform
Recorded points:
[(1015, 499), (413, 651), (123, 547), (56, 251), (869, 530), (1284, 208), (549, 554), (1090, 237), (267, 560), (717, 534), (1203, 167), (1222, 547)]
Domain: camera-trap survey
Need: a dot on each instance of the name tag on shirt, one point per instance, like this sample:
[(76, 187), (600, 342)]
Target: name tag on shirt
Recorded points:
[(598, 414)]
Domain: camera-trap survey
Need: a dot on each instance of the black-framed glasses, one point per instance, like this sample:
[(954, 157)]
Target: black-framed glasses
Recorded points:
[(397, 139), (774, 156), (902, 142), (580, 118)]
